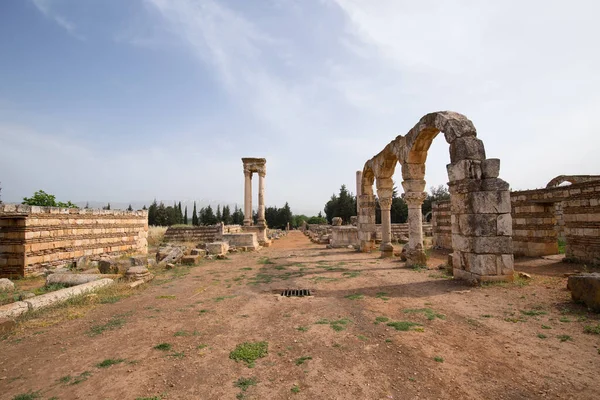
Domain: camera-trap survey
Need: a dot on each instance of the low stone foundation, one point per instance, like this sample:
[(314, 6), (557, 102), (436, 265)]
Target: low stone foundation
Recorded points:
[(343, 236), (33, 238), (247, 240)]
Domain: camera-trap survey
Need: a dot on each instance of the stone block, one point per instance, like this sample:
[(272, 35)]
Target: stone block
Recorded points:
[(487, 203), (490, 168), (480, 264), (198, 252), (494, 184), (464, 169), (585, 288), (493, 244), (72, 279), (504, 225), (505, 264), (217, 248), (6, 285), (467, 148), (477, 224), (190, 260)]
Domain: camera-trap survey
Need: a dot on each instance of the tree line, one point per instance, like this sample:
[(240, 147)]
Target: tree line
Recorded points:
[(343, 205), (161, 215)]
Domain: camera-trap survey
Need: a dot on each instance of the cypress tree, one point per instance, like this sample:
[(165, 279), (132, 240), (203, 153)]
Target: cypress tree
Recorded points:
[(218, 215), (185, 221), (195, 217)]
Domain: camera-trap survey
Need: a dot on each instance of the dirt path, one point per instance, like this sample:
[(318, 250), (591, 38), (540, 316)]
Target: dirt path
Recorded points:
[(470, 343)]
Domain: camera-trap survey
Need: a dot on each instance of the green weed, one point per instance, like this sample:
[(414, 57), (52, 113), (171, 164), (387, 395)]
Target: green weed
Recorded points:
[(402, 325), (114, 323), (302, 360), (429, 313), (163, 346), (249, 352), (438, 359), (109, 361), (245, 383), (355, 296)]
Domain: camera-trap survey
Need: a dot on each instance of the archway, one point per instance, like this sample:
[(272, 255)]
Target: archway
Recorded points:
[(480, 201)]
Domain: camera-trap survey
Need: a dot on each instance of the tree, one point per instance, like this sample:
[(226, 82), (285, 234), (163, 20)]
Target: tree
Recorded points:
[(437, 194), (399, 210), (226, 217), (152, 210), (130, 208), (237, 216), (219, 216), (185, 219), (319, 219), (41, 198), (107, 207), (87, 205), (144, 208), (180, 213), (0, 193), (195, 216), (343, 206), (207, 216)]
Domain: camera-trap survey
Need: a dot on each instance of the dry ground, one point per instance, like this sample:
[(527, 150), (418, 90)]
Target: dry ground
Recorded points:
[(523, 340)]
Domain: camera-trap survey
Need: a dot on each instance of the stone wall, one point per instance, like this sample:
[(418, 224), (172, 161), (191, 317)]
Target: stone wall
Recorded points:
[(35, 238), (441, 224), (344, 236), (537, 217), (195, 234)]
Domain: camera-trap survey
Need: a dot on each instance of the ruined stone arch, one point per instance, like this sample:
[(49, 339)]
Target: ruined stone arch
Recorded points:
[(481, 227), (571, 179)]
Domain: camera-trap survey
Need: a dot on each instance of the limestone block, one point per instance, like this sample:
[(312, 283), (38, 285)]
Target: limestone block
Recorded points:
[(64, 294), (480, 264), (477, 224), (493, 244), (464, 169), (190, 260), (13, 309), (336, 221), (505, 264), (217, 248), (6, 285), (71, 279), (413, 171), (494, 184), (504, 225), (171, 255), (138, 260), (488, 202), (586, 288), (490, 168), (137, 273), (466, 148), (108, 266), (198, 252)]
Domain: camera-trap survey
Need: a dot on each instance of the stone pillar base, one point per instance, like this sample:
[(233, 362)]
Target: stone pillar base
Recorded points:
[(469, 276), (416, 257), (387, 250)]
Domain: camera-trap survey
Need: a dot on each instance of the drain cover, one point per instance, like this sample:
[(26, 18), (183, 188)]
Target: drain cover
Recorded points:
[(296, 292)]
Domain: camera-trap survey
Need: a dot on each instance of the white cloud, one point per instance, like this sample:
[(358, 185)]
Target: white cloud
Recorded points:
[(46, 8)]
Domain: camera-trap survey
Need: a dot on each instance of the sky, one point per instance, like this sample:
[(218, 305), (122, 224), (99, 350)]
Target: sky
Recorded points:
[(127, 101)]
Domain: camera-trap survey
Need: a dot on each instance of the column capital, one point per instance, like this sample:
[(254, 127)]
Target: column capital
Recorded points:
[(262, 173), (247, 173), (415, 199), (385, 203)]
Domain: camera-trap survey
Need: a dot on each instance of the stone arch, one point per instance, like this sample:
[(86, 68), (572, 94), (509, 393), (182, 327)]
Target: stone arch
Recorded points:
[(482, 226), (571, 179)]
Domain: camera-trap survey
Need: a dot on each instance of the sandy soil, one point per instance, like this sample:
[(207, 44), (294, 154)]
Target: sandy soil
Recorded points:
[(472, 342)]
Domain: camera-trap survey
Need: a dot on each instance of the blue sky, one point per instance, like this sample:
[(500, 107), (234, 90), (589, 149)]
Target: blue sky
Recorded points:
[(126, 101)]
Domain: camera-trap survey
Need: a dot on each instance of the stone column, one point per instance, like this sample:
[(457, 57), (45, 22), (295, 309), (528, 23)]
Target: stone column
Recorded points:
[(384, 192), (261, 198), (366, 223), (247, 198), (415, 254), (358, 190)]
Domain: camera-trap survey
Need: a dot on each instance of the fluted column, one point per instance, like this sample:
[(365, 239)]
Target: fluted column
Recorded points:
[(261, 198), (247, 198)]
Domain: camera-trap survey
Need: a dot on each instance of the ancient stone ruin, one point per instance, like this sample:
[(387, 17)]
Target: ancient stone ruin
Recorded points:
[(481, 222), (35, 239), (259, 166)]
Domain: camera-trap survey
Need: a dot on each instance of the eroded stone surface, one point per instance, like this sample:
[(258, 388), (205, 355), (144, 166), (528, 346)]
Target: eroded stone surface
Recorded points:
[(586, 289)]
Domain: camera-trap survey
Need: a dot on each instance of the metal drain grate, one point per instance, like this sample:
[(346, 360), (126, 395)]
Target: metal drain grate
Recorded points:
[(296, 292)]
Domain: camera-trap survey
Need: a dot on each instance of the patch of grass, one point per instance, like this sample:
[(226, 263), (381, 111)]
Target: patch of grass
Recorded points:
[(486, 316), (28, 396), (546, 327), (279, 267), (295, 389), (388, 340), (265, 261), (302, 360), (181, 333), (593, 330), (245, 383), (65, 379), (302, 328), (419, 268), (109, 361), (203, 311), (533, 312), (362, 337), (355, 296), (564, 319), (249, 352), (202, 346), (337, 325), (352, 274), (260, 278), (564, 338), (438, 359), (318, 279), (382, 296), (163, 346), (402, 325), (562, 246), (429, 313), (81, 378), (49, 288), (218, 299), (168, 297), (177, 355), (541, 336), (246, 269), (114, 323), (379, 320), (149, 398)]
